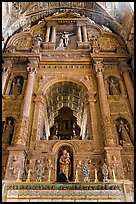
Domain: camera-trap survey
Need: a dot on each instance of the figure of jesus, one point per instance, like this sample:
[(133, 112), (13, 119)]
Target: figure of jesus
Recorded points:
[(64, 40)]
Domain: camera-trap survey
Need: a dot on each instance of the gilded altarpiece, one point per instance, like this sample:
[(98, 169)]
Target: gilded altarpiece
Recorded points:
[(67, 61)]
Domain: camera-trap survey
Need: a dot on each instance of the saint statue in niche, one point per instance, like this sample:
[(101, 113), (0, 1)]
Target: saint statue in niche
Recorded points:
[(16, 87), (8, 132), (65, 164), (123, 130), (114, 88)]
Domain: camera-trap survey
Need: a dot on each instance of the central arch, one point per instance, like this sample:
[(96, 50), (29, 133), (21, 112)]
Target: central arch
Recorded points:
[(66, 92)]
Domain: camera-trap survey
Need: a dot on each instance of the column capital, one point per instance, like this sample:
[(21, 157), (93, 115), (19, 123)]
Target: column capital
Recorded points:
[(5, 70), (31, 70), (32, 66), (98, 65), (6, 66), (91, 97)]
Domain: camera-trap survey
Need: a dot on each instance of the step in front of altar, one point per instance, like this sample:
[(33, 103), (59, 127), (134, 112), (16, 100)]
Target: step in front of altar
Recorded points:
[(51, 192)]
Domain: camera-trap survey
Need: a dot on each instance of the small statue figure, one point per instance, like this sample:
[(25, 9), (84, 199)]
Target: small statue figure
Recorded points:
[(115, 166), (124, 134), (78, 167), (14, 167), (86, 173), (130, 169), (94, 41), (17, 87), (39, 171), (37, 42), (105, 172), (106, 29), (49, 167), (114, 88), (8, 132), (65, 164)]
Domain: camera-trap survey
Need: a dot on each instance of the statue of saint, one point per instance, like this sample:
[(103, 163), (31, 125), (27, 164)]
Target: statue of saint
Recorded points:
[(65, 164), (115, 165), (39, 171), (114, 87), (49, 167), (14, 167), (105, 172), (16, 87), (78, 168), (124, 133), (8, 132), (37, 40)]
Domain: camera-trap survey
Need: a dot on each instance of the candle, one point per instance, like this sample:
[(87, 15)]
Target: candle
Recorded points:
[(28, 177), (18, 176), (95, 173), (114, 177), (96, 179)]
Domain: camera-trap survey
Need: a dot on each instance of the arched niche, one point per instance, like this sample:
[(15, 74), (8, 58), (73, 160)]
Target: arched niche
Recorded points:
[(16, 85), (59, 152), (8, 130), (114, 87), (124, 131)]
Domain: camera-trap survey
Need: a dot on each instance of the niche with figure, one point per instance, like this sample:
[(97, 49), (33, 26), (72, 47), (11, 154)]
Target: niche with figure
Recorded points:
[(16, 86), (8, 130), (113, 86), (123, 129), (65, 164), (65, 125)]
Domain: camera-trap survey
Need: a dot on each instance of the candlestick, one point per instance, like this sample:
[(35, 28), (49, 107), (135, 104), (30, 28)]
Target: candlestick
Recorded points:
[(18, 176), (76, 179), (96, 179), (28, 177), (114, 177)]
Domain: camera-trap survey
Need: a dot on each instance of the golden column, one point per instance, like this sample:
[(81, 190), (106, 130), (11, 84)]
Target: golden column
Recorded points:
[(128, 82), (5, 74), (37, 126), (107, 123), (23, 125), (91, 100), (110, 140)]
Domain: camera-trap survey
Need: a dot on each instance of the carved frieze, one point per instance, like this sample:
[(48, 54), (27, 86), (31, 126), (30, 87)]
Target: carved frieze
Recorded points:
[(82, 146), (116, 107), (65, 66), (66, 56), (128, 165), (23, 43), (22, 131), (12, 106), (108, 43)]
